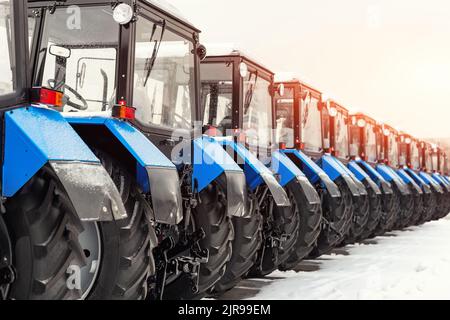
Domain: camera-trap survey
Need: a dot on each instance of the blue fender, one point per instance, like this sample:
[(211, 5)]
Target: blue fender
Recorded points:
[(334, 170), (210, 162), (361, 187), (256, 173), (430, 181), (384, 185), (313, 172), (155, 172), (438, 178), (409, 180), (391, 176), (361, 175), (35, 137), (288, 172), (426, 188)]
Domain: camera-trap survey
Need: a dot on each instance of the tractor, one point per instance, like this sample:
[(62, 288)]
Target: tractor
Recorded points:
[(237, 111), (300, 130), (336, 136), (63, 226), (438, 161), (129, 74)]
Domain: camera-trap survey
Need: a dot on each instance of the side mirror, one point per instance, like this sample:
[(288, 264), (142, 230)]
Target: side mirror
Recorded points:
[(201, 52), (59, 51)]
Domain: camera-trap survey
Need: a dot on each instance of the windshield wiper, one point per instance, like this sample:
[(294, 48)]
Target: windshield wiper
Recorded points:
[(251, 89), (150, 62)]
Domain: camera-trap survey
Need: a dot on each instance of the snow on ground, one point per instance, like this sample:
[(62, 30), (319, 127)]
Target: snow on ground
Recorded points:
[(410, 264)]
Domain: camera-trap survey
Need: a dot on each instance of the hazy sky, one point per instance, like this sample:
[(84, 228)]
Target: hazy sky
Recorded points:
[(389, 58)]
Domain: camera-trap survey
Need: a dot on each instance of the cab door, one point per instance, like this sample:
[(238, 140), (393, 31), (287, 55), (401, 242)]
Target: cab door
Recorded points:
[(14, 77)]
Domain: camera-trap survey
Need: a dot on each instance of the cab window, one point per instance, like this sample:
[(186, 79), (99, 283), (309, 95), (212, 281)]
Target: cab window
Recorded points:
[(311, 123), (7, 81), (285, 118)]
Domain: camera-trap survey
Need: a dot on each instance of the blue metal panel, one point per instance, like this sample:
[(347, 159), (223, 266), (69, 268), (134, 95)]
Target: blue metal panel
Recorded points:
[(385, 172), (34, 136), (284, 168), (374, 174), (310, 168), (359, 173), (253, 168), (331, 167), (210, 161), (405, 177), (438, 178), (418, 179)]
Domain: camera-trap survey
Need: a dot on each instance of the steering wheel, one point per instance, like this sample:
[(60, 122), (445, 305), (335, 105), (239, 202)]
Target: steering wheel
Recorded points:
[(52, 83)]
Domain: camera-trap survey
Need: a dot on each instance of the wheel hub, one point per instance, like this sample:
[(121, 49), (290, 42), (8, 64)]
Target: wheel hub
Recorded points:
[(90, 242)]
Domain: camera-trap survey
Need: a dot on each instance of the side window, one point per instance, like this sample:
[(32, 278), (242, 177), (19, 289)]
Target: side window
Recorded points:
[(311, 123), (285, 117), (164, 88), (7, 81)]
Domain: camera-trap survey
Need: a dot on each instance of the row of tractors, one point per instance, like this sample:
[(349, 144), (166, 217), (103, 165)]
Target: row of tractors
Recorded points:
[(137, 164)]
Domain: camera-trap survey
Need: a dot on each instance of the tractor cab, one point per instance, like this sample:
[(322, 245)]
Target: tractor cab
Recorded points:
[(390, 146), (409, 152), (336, 135), (365, 139)]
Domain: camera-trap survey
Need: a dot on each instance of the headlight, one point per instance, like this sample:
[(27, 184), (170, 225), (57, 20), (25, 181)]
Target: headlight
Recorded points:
[(333, 112), (386, 132), (123, 13), (361, 123), (408, 140)]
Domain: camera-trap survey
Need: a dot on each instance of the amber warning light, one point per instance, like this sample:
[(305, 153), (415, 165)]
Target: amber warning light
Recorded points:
[(49, 97), (122, 111)]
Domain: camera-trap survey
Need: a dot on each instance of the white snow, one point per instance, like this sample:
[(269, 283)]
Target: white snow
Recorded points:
[(410, 264)]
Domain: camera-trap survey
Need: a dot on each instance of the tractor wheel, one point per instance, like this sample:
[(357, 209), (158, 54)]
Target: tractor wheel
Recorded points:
[(406, 209), (375, 213), (418, 207), (211, 216), (310, 219), (390, 205), (361, 212), (45, 236), (280, 230), (246, 243), (441, 208), (429, 206), (127, 259), (337, 217)]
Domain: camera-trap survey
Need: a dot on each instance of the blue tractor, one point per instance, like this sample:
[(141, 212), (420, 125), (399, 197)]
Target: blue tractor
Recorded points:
[(303, 132), (64, 230), (129, 72), (437, 162), (237, 112)]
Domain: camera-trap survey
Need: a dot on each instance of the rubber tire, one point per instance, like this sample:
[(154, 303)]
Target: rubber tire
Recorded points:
[(127, 259), (375, 213), (406, 209), (441, 207), (285, 221), (339, 212), (418, 207), (361, 212), (310, 227), (246, 243), (430, 203), (211, 215), (44, 229)]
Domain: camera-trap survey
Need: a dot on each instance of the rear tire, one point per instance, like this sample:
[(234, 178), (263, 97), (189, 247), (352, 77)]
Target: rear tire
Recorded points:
[(406, 209), (310, 219), (44, 230), (247, 241), (127, 255), (418, 207), (361, 212), (375, 213), (338, 212)]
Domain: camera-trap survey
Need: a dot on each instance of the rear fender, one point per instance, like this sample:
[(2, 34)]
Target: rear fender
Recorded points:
[(35, 137), (426, 188), (313, 172), (438, 178), (384, 185), (288, 172), (334, 170), (409, 180), (256, 173), (430, 181), (391, 176), (361, 175), (155, 173), (210, 162)]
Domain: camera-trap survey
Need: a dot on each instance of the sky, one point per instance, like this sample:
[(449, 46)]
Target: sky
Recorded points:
[(387, 58)]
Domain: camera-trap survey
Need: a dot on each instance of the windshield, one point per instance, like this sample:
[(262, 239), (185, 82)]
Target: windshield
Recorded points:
[(311, 123), (164, 77), (355, 134), (393, 150), (7, 84), (415, 155), (285, 118), (257, 103), (217, 95), (341, 132), (78, 54), (428, 161)]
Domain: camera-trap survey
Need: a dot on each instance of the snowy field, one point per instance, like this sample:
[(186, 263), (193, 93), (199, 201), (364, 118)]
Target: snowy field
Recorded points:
[(409, 264)]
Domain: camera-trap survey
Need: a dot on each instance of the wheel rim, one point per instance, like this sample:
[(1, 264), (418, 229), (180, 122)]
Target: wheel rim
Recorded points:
[(90, 242)]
